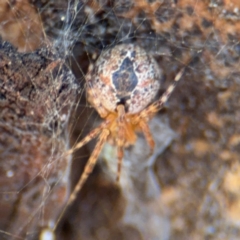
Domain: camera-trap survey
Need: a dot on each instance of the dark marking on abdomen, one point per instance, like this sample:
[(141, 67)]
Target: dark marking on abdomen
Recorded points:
[(125, 79)]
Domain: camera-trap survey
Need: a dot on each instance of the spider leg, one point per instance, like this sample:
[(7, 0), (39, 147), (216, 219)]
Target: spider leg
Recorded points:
[(93, 134), (147, 134), (120, 139), (157, 105), (89, 165), (87, 170)]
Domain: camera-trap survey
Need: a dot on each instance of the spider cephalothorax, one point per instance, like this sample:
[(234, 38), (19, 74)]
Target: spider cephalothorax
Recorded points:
[(121, 86)]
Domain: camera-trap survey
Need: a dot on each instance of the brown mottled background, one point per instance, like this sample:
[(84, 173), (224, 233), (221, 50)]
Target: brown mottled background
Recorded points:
[(198, 172)]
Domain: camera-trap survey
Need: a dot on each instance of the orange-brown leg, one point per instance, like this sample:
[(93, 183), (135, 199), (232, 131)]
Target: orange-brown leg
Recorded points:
[(156, 106), (87, 170), (147, 134), (93, 134), (120, 139), (90, 164)]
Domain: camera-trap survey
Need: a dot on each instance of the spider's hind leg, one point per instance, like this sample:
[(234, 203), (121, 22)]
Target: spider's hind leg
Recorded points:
[(157, 105)]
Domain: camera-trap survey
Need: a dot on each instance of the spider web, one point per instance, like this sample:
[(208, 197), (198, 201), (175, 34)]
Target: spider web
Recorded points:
[(191, 190)]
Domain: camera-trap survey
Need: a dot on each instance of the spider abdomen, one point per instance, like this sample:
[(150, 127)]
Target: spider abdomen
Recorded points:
[(126, 75)]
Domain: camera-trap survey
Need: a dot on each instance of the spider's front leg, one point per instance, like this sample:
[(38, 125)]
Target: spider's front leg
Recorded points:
[(147, 134), (120, 139), (93, 134), (90, 164)]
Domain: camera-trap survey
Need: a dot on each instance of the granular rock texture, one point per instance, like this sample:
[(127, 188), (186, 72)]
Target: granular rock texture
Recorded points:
[(36, 95)]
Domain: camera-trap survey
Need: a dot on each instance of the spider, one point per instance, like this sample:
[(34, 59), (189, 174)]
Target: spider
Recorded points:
[(121, 86)]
